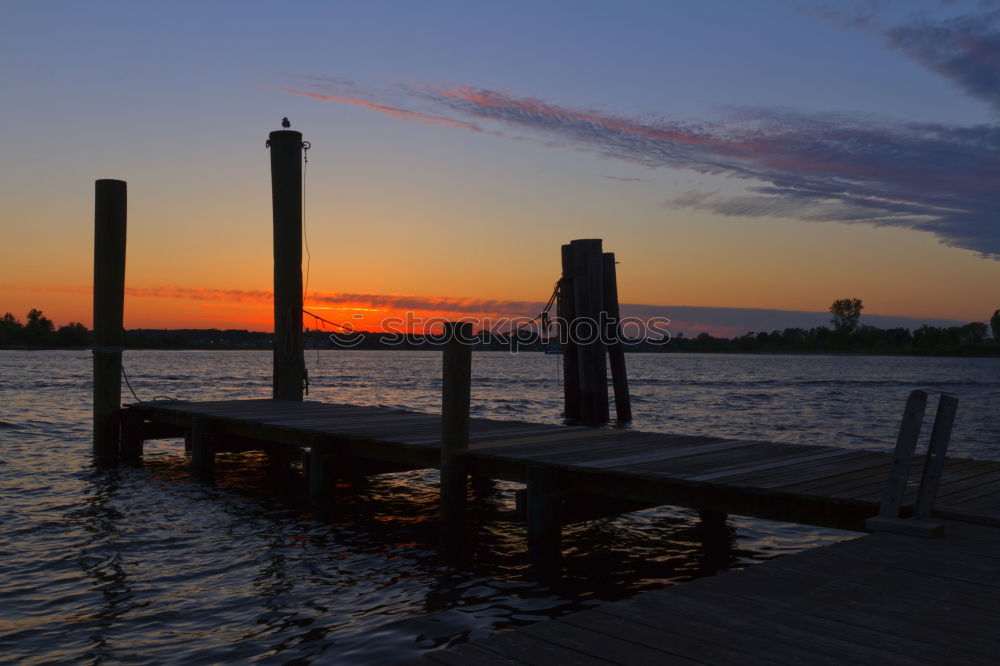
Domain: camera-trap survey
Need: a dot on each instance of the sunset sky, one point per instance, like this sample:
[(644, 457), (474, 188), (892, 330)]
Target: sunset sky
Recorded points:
[(740, 158)]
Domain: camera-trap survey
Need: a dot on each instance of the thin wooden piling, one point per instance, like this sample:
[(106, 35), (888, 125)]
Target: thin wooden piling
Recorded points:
[(202, 447), (566, 313), (588, 289), (286, 197), (616, 348), (110, 213), (456, 393)]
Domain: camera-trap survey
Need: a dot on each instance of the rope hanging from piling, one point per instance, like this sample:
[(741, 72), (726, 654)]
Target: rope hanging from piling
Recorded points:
[(327, 321), (542, 316)]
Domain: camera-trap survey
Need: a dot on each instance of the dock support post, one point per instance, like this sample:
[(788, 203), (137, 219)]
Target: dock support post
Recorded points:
[(110, 212), (588, 296), (717, 543), (322, 471), (286, 196), (616, 349), (566, 313), (544, 524), (456, 393), (202, 447), (132, 438)]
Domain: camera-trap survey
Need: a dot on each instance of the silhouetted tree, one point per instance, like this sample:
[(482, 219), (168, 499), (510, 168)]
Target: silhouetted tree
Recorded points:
[(11, 330), (995, 325), (846, 313), (72, 334), (38, 328), (974, 332)]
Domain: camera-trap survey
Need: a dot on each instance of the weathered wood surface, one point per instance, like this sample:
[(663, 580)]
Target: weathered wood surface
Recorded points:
[(110, 213), (810, 484), (879, 599)]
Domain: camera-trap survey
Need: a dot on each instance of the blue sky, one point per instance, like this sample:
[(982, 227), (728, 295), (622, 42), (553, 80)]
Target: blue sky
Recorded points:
[(772, 155)]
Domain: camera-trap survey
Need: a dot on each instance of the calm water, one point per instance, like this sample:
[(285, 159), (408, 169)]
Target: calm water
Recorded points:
[(144, 565)]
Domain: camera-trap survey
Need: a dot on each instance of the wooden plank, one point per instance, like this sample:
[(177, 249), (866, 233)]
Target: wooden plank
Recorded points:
[(902, 615), (575, 451), (669, 453), (842, 642), (837, 469), (610, 649), (874, 469), (546, 437), (723, 460), (926, 557), (464, 654), (606, 440), (952, 491), (528, 649), (881, 574), (855, 638), (747, 633), (811, 466), (726, 475), (662, 632)]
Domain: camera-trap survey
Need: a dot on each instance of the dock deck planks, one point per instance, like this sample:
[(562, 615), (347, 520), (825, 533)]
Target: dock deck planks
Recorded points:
[(814, 484), (878, 599)]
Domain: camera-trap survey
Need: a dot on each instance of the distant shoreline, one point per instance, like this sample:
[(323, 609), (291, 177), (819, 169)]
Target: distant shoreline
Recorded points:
[(987, 353)]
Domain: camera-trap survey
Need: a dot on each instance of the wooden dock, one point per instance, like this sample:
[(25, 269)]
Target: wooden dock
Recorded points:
[(566, 465), (878, 599), (883, 598)]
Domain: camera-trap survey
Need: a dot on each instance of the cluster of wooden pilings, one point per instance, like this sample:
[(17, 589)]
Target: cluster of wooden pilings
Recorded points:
[(588, 311), (588, 317), (589, 321)]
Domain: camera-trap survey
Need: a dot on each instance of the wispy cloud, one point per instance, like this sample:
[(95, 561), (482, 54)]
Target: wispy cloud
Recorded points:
[(827, 167), (624, 179), (342, 300), (964, 50), (387, 110), (931, 177)]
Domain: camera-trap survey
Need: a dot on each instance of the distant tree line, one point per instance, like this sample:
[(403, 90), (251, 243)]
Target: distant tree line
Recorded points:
[(39, 331), (847, 335)]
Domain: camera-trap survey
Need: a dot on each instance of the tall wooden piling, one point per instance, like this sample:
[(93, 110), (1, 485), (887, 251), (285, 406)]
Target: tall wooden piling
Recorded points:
[(565, 314), (588, 299), (286, 197), (456, 394), (616, 349), (110, 212)]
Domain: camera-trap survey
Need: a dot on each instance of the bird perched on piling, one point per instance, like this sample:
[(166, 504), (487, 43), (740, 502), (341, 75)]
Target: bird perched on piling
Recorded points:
[(285, 123)]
